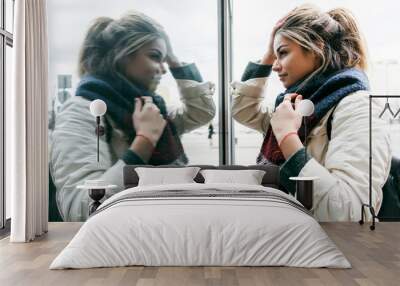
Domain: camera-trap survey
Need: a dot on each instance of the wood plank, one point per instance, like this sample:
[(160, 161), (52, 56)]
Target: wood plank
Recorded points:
[(374, 255)]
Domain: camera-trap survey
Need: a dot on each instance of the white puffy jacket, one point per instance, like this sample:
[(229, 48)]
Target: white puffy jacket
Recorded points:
[(342, 164), (73, 155)]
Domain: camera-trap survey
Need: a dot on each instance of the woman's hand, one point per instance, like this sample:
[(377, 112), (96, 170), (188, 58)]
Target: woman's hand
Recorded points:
[(269, 57), (285, 119), (171, 59), (147, 120)]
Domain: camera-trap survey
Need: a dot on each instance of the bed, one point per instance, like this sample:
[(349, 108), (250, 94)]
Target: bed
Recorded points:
[(198, 224)]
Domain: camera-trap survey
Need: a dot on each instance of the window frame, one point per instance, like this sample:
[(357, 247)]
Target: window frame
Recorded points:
[(226, 136), (6, 39)]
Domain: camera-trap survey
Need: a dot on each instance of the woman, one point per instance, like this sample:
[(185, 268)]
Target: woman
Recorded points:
[(319, 56), (121, 62)]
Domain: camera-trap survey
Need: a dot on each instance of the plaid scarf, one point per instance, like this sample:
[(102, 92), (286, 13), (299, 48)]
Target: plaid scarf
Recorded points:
[(325, 91), (119, 95)]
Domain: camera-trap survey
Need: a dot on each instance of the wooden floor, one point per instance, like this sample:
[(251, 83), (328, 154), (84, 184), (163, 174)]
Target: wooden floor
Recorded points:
[(374, 255)]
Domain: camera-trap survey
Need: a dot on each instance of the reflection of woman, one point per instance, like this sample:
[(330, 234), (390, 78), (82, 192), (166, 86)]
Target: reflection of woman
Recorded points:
[(319, 56), (121, 62)]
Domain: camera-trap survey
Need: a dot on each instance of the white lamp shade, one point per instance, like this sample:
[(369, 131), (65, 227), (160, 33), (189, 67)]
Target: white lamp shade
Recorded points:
[(98, 107), (306, 107)]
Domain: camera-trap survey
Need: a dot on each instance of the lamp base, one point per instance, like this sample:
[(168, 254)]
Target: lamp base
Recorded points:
[(304, 193), (96, 195), (304, 190), (372, 211)]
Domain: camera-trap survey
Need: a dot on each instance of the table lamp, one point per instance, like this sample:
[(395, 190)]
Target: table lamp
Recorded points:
[(97, 188), (306, 108), (304, 185), (98, 108)]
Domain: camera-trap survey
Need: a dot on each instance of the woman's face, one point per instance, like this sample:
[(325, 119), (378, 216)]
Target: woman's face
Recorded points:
[(146, 65), (292, 62)]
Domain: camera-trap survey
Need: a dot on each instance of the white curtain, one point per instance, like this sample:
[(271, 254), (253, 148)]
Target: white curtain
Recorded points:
[(26, 117)]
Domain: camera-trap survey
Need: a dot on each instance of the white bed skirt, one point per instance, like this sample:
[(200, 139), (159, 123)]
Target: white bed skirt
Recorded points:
[(200, 232)]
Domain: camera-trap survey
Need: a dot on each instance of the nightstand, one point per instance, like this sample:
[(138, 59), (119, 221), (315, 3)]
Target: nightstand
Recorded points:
[(304, 190), (97, 190)]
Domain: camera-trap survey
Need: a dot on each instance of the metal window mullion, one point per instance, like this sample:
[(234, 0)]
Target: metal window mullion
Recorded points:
[(7, 34), (9, 42), (225, 77)]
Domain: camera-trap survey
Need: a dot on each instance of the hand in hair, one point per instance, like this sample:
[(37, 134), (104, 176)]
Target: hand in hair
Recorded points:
[(171, 59), (269, 57)]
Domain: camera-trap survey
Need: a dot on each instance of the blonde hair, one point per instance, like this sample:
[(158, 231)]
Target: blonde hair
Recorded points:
[(333, 36), (108, 42)]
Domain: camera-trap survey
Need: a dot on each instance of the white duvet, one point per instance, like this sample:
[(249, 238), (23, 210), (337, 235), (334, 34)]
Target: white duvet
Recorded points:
[(206, 230)]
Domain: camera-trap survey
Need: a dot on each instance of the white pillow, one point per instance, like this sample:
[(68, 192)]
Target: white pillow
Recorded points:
[(248, 177), (164, 176)]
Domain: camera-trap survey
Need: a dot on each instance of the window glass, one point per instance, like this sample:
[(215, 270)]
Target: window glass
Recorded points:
[(192, 30), (1, 14), (253, 22), (9, 15), (8, 81)]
